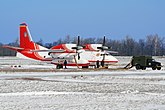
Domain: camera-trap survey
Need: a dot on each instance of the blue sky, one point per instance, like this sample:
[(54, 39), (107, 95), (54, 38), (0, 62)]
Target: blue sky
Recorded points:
[(52, 19)]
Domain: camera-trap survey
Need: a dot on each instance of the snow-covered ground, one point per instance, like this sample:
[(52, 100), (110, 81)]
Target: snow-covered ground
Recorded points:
[(101, 90)]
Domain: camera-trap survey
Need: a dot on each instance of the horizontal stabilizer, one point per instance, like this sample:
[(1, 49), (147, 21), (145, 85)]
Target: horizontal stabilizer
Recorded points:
[(13, 48)]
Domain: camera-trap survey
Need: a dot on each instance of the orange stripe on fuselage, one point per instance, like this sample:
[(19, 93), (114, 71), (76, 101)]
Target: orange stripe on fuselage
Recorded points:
[(89, 47), (36, 53), (33, 55)]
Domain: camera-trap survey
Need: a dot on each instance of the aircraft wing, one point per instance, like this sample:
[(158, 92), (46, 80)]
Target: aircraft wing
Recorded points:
[(13, 48), (52, 51), (112, 52)]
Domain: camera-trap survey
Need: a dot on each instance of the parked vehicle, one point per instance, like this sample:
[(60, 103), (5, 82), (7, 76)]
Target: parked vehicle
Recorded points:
[(143, 62)]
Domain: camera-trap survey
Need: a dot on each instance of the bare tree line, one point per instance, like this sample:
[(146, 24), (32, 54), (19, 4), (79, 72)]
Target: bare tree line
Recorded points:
[(151, 45)]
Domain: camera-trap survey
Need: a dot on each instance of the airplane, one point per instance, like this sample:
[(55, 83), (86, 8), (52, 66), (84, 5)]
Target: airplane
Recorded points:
[(75, 54)]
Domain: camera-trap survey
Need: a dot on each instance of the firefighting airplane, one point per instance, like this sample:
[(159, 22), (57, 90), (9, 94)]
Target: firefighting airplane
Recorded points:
[(75, 54)]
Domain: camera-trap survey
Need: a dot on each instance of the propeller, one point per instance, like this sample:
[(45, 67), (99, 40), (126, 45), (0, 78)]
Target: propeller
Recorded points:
[(103, 48), (78, 47)]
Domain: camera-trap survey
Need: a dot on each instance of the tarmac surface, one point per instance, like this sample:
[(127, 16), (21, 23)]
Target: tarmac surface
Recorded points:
[(82, 90)]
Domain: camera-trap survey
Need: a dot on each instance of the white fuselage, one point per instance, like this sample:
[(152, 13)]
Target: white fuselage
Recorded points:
[(86, 56)]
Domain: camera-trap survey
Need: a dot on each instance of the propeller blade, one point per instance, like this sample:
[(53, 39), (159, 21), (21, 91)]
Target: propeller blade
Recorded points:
[(104, 41), (103, 47), (76, 61), (78, 56), (78, 42)]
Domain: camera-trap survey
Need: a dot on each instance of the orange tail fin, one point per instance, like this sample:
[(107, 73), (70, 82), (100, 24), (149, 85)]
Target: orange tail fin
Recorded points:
[(25, 37)]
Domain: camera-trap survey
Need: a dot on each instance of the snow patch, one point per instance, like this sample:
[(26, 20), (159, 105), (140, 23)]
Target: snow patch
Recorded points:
[(43, 93), (130, 92)]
